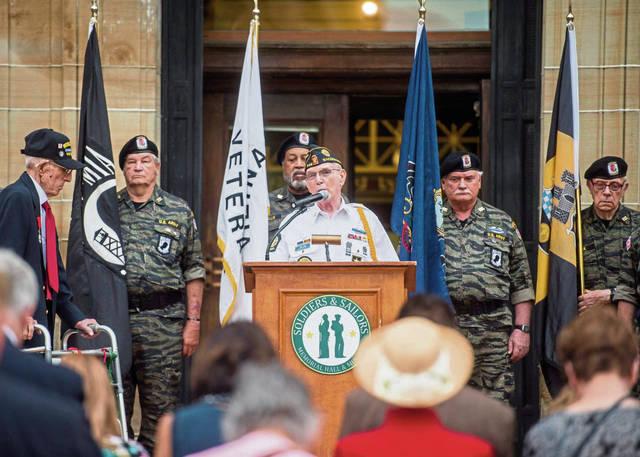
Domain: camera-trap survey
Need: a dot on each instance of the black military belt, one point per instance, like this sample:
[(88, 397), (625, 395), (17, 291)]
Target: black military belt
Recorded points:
[(154, 300), (475, 307)]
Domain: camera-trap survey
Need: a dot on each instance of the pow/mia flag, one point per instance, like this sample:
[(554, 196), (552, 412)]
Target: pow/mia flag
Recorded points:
[(95, 257), (557, 287)]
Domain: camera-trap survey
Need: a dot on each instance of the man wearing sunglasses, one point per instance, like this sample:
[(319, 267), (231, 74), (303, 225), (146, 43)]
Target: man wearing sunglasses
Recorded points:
[(357, 233), (28, 227), (607, 226)]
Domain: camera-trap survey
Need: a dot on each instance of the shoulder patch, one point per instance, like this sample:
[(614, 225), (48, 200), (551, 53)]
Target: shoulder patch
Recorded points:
[(274, 243)]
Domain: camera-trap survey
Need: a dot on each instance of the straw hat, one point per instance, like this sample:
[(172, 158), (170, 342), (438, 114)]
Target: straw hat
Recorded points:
[(414, 363)]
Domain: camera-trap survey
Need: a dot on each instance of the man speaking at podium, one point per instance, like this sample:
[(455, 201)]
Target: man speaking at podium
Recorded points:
[(325, 228)]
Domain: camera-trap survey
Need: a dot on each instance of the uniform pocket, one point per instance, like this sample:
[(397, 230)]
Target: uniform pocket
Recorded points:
[(166, 243), (497, 255)]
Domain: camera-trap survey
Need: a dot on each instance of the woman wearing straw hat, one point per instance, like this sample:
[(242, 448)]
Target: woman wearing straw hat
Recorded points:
[(413, 365)]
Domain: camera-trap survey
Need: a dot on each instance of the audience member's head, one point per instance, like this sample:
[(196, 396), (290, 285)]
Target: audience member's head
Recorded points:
[(598, 342), (18, 291), (430, 307), (268, 397), (99, 400), (414, 363), (218, 359)]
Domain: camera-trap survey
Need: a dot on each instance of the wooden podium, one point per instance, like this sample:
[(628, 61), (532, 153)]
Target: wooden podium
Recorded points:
[(280, 291)]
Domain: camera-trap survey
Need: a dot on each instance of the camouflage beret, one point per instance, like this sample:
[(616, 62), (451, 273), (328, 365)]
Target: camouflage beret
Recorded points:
[(609, 167), (320, 155), (459, 161), (135, 145), (297, 140)]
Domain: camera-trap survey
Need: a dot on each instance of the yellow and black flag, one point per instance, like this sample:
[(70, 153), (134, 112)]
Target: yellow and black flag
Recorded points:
[(559, 238)]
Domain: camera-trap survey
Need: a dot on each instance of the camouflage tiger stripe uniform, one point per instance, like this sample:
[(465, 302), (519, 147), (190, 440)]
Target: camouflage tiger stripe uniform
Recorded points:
[(486, 272), (163, 253), (607, 256), (280, 201)]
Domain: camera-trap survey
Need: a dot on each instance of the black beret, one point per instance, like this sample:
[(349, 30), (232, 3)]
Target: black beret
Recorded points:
[(459, 161), (297, 140), (318, 156), (135, 145), (49, 144), (609, 167)]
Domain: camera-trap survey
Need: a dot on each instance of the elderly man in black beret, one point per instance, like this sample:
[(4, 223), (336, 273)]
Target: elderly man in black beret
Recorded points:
[(28, 227), (487, 275), (291, 155), (165, 280), (607, 227)]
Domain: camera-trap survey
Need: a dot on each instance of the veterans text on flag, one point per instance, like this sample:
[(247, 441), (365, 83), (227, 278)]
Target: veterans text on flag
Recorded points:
[(244, 203)]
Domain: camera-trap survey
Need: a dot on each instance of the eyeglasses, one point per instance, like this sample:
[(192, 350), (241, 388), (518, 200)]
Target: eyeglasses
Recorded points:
[(324, 174), (67, 171), (600, 186)]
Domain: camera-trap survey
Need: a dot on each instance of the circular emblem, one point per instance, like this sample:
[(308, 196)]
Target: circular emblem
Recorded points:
[(304, 258), (326, 333), (325, 153), (544, 233), (61, 153)]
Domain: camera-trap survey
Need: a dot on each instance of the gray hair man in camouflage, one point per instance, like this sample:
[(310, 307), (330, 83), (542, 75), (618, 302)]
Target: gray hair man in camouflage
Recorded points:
[(164, 267), (487, 275), (291, 155), (608, 240)]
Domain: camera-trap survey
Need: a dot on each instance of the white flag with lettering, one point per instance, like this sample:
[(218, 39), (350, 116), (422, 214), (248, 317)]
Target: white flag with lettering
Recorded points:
[(244, 202)]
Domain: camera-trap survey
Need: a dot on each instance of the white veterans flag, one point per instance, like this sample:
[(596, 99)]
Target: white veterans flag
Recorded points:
[(244, 203)]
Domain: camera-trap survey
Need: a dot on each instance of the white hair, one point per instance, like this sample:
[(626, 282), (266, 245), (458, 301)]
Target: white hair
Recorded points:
[(34, 162), (21, 293), (267, 396)]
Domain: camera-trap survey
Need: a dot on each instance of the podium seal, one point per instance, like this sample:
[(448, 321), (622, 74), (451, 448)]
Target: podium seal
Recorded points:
[(326, 333)]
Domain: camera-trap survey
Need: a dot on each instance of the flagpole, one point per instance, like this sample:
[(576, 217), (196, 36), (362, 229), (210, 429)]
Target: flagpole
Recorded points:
[(94, 11), (422, 11), (570, 26), (256, 21)]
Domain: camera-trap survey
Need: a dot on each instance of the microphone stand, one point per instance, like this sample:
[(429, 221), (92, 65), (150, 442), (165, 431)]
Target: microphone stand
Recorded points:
[(301, 210)]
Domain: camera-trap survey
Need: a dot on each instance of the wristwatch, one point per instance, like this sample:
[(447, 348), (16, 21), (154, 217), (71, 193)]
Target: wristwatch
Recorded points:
[(523, 328)]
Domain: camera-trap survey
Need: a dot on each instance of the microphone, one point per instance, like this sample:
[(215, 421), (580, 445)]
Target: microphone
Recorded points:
[(306, 201)]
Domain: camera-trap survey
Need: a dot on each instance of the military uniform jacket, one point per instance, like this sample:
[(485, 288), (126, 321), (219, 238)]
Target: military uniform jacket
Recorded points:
[(280, 201), (607, 261), (485, 257), (295, 244), (161, 243)]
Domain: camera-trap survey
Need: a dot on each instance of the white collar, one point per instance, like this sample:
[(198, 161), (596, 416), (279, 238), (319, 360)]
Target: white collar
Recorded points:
[(42, 196), (316, 211)]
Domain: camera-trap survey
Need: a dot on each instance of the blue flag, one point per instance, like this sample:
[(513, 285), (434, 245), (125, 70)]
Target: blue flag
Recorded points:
[(416, 215)]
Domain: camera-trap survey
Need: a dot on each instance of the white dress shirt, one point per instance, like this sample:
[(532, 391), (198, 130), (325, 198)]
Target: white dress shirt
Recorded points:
[(42, 196), (295, 241)]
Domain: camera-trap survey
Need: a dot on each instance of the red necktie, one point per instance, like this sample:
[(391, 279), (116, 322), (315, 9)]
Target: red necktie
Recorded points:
[(52, 281)]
